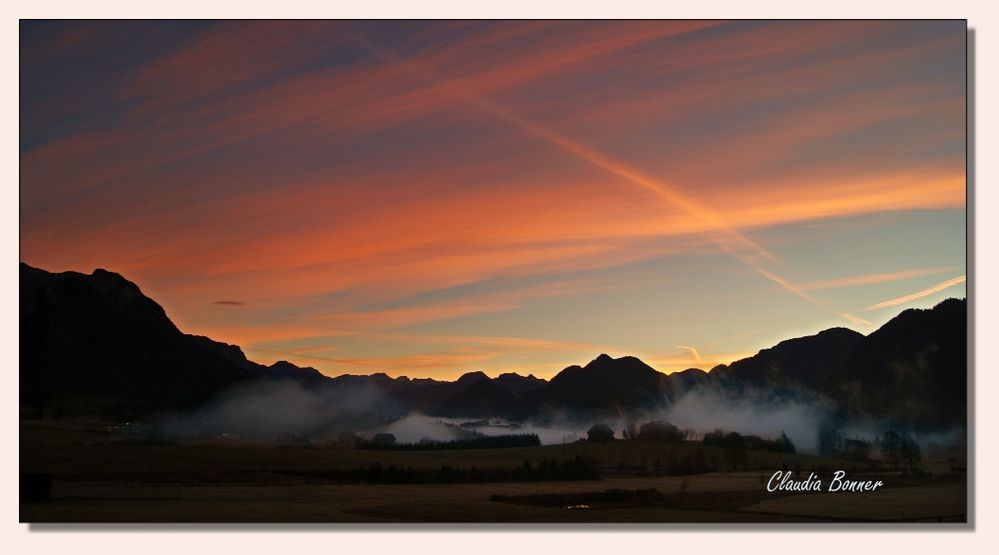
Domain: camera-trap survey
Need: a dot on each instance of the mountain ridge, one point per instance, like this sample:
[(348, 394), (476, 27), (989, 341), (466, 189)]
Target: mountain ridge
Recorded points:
[(97, 340)]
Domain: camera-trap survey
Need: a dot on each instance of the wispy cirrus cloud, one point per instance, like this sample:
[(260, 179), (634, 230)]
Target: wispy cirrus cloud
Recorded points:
[(333, 176), (705, 361), (693, 352)]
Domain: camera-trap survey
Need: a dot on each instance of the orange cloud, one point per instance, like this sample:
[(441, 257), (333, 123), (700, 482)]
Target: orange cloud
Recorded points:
[(278, 164), (447, 241)]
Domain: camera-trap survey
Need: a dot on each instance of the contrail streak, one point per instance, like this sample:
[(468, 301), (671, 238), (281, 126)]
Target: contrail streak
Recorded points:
[(867, 279), (618, 168), (692, 351), (920, 294), (615, 167)]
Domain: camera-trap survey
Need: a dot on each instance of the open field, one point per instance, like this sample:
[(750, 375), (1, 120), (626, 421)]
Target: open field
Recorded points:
[(101, 477)]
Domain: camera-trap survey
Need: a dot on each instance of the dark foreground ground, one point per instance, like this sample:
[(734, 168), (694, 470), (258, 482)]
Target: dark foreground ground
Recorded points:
[(99, 476)]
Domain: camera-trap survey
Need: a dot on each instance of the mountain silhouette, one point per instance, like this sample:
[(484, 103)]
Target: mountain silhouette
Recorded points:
[(605, 386), (94, 345), (913, 370), (515, 383), (481, 398), (801, 362)]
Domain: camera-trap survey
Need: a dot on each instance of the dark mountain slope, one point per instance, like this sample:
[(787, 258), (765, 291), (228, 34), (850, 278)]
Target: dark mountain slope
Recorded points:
[(91, 341), (95, 345), (481, 399), (285, 370), (515, 383), (800, 362), (682, 382), (605, 386), (912, 371)]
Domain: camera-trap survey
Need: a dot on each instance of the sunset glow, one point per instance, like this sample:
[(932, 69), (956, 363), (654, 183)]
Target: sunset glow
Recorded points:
[(431, 198)]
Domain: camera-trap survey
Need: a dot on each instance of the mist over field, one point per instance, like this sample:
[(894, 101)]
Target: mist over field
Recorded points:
[(286, 410), (753, 411), (271, 411), (282, 409), (820, 390), (415, 427)]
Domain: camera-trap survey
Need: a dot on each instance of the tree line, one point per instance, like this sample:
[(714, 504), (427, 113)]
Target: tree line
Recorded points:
[(576, 468), (484, 442), (898, 449)]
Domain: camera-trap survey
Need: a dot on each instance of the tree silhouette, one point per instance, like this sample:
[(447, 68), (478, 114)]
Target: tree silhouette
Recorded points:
[(830, 439), (909, 452), (891, 447), (856, 449), (784, 444), (383, 439), (660, 430), (600, 432)]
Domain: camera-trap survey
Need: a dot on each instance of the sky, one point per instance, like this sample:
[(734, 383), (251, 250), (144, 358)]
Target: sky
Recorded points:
[(428, 198)]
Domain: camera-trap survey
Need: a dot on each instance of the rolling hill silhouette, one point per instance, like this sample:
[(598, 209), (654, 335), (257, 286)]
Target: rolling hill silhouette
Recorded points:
[(94, 345)]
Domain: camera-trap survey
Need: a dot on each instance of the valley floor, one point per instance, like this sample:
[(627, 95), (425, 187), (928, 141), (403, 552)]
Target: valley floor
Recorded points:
[(97, 476)]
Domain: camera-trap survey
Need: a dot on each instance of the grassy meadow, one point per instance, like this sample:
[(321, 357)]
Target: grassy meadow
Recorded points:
[(100, 476)]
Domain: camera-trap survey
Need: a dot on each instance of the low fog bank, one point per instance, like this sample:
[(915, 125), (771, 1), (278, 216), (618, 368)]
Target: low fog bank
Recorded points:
[(416, 427), (813, 423), (753, 412), (284, 410)]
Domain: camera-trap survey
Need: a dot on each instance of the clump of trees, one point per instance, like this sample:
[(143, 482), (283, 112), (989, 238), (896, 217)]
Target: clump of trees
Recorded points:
[(736, 445), (831, 440), (856, 449), (784, 444), (661, 431), (733, 443), (834, 443), (383, 439), (600, 433), (901, 451), (732, 440), (482, 442), (576, 468)]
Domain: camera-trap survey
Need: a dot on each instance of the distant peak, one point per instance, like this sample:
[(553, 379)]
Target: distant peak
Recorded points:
[(114, 281), (101, 272), (951, 302), (516, 376), (604, 357), (838, 331), (471, 377)]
